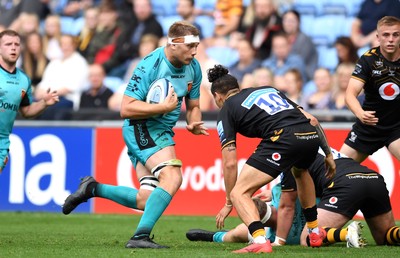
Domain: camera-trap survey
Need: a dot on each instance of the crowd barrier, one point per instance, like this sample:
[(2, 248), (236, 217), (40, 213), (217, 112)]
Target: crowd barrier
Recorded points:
[(47, 159)]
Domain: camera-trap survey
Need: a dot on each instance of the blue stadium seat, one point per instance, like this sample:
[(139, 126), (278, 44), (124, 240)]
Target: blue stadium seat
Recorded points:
[(67, 24), (327, 28), (308, 7), (77, 25), (163, 7), (306, 24), (343, 7), (207, 5), (225, 56), (113, 82), (167, 21), (327, 57), (207, 25)]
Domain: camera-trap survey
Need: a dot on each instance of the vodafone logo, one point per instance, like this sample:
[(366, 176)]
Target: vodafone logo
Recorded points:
[(389, 91), (333, 200), (276, 156)]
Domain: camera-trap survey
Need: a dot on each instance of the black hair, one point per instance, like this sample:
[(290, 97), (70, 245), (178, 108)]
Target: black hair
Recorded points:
[(221, 80)]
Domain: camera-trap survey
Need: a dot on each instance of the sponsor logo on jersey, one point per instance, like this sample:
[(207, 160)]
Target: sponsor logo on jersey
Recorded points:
[(273, 162), (391, 72), (358, 69), (333, 200), (389, 91), (177, 76), (376, 73), (276, 156), (8, 106), (379, 63), (353, 137)]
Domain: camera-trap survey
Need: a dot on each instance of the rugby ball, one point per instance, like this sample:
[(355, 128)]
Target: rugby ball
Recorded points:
[(158, 91)]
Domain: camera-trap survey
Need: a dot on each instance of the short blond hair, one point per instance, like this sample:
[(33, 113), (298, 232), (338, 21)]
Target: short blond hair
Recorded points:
[(388, 21)]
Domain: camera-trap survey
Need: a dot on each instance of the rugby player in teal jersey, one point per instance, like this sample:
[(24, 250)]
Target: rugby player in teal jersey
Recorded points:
[(15, 92), (148, 132)]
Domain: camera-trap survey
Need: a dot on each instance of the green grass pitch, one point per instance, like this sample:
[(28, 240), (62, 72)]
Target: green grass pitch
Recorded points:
[(40, 235)]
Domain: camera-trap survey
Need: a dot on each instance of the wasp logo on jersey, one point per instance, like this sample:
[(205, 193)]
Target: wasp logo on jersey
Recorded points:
[(389, 91)]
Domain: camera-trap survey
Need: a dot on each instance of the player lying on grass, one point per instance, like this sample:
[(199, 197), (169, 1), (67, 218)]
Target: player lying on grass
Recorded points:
[(354, 187), (269, 216)]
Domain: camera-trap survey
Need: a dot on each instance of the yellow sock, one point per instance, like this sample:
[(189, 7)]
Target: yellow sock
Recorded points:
[(334, 235), (260, 232), (393, 236), (312, 224)]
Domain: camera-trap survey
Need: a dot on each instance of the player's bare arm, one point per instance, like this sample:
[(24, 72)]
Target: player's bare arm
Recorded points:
[(285, 216), (193, 118), (36, 108), (353, 90), (229, 157), (132, 108)]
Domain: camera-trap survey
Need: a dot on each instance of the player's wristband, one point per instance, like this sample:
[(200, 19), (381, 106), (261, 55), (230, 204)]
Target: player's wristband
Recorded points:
[(278, 240)]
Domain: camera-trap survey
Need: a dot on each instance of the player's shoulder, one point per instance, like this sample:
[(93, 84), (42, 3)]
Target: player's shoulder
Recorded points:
[(22, 75), (371, 53)]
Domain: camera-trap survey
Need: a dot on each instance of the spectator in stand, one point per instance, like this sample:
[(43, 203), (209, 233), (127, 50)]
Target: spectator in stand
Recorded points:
[(98, 94), (73, 8), (261, 76), (148, 43), (247, 60), (346, 50), (34, 61), (25, 24), (363, 29), (68, 76), (321, 97), (103, 43), (186, 9), (281, 59), (89, 28), (51, 37), (144, 22), (11, 9), (265, 24), (302, 44), (227, 16), (207, 102), (341, 79), (293, 84)]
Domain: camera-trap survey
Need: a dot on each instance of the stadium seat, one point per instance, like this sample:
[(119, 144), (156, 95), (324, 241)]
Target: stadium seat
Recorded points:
[(308, 7), (113, 82), (67, 24), (306, 24), (349, 8), (327, 28), (207, 25), (207, 5), (226, 56), (77, 25), (167, 21), (327, 57), (163, 7)]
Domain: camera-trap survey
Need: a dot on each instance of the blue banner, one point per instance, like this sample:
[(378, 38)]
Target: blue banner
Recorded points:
[(45, 166)]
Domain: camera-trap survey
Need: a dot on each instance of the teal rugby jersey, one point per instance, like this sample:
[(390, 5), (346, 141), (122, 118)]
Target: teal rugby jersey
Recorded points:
[(186, 82), (15, 91)]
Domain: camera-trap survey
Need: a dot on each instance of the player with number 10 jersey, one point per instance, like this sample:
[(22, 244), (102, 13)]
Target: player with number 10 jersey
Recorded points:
[(266, 113)]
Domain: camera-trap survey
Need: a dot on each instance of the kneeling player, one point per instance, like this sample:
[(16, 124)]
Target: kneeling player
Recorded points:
[(355, 187)]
